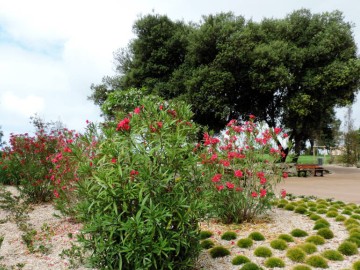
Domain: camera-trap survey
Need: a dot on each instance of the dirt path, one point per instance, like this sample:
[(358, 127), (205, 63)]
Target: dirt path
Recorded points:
[(341, 184)]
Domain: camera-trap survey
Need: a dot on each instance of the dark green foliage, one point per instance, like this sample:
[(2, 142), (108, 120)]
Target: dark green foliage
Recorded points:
[(229, 236), (320, 226), (262, 252), (309, 248), (332, 255), (240, 259), (205, 234), (279, 244), (346, 212), (286, 237), (274, 262), (298, 233), (322, 221), (300, 210), (219, 251), (250, 266), (296, 254), (355, 217), (256, 236), (281, 205), (317, 261), (207, 243), (326, 233), (316, 239), (348, 248), (245, 242), (354, 240)]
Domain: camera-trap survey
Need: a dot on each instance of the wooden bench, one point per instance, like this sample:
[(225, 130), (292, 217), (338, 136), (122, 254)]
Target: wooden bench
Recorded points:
[(314, 169)]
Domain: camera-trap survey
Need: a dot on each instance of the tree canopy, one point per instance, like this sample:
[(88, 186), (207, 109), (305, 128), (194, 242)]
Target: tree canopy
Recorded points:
[(291, 72)]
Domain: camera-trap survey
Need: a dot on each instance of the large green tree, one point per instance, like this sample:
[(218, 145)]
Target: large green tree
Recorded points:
[(292, 72)]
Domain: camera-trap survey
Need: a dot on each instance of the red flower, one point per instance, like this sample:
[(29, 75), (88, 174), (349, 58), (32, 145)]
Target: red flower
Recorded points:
[(263, 181), (91, 164), (262, 193), (285, 175), (137, 110), (56, 194), (229, 185), (254, 194), (277, 130), (214, 157), (285, 135), (231, 122), (238, 173), (159, 124), (161, 107), (260, 174), (113, 160), (133, 173), (216, 178), (283, 193), (239, 189), (251, 116), (123, 124), (225, 162), (219, 188), (67, 150)]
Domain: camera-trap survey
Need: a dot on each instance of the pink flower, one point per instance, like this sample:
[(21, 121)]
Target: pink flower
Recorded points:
[(229, 185), (285, 175), (285, 135), (56, 193), (137, 110), (283, 193), (251, 116), (262, 193), (277, 130), (231, 122), (113, 160), (214, 157), (216, 178), (238, 173), (225, 162), (254, 194)]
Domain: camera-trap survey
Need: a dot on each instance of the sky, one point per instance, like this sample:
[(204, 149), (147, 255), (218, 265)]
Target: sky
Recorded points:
[(52, 51)]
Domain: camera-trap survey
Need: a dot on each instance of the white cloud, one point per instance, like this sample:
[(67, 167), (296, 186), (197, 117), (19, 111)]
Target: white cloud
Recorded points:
[(24, 106)]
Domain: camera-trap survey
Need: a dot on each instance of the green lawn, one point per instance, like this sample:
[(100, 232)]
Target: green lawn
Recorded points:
[(309, 159)]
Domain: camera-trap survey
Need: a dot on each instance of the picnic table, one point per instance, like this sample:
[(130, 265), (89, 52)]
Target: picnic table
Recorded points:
[(313, 169)]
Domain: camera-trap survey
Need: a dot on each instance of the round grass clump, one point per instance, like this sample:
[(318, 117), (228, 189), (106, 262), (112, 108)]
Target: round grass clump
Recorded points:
[(332, 255), (301, 267), (315, 239), (355, 235), (309, 248), (357, 211), (355, 217), (311, 204), (356, 265), (286, 237), (245, 243), (326, 233), (314, 217), (354, 240), (263, 252), (322, 221), (320, 226), (205, 234), (228, 236), (281, 205), (219, 251), (296, 254), (321, 211), (312, 209), (289, 207), (355, 229), (240, 259), (279, 244), (256, 236), (274, 262), (317, 261), (340, 218), (207, 243), (331, 214), (351, 221), (298, 233), (348, 248), (250, 266), (300, 210), (351, 226), (346, 212)]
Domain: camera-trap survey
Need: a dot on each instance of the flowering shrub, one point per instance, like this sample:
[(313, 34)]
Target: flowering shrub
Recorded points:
[(139, 196), (241, 171)]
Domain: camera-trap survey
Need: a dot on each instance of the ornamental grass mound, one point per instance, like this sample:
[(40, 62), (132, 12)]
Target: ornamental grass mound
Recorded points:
[(240, 259), (228, 236), (274, 262), (296, 254), (219, 251), (317, 261), (245, 243)]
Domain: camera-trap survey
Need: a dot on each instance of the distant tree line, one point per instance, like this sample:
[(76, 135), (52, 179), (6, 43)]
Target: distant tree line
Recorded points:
[(291, 72)]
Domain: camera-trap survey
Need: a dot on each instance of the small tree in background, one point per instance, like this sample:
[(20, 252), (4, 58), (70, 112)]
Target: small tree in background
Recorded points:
[(351, 141)]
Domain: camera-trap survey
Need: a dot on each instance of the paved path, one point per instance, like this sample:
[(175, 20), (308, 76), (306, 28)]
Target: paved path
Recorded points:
[(341, 184)]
